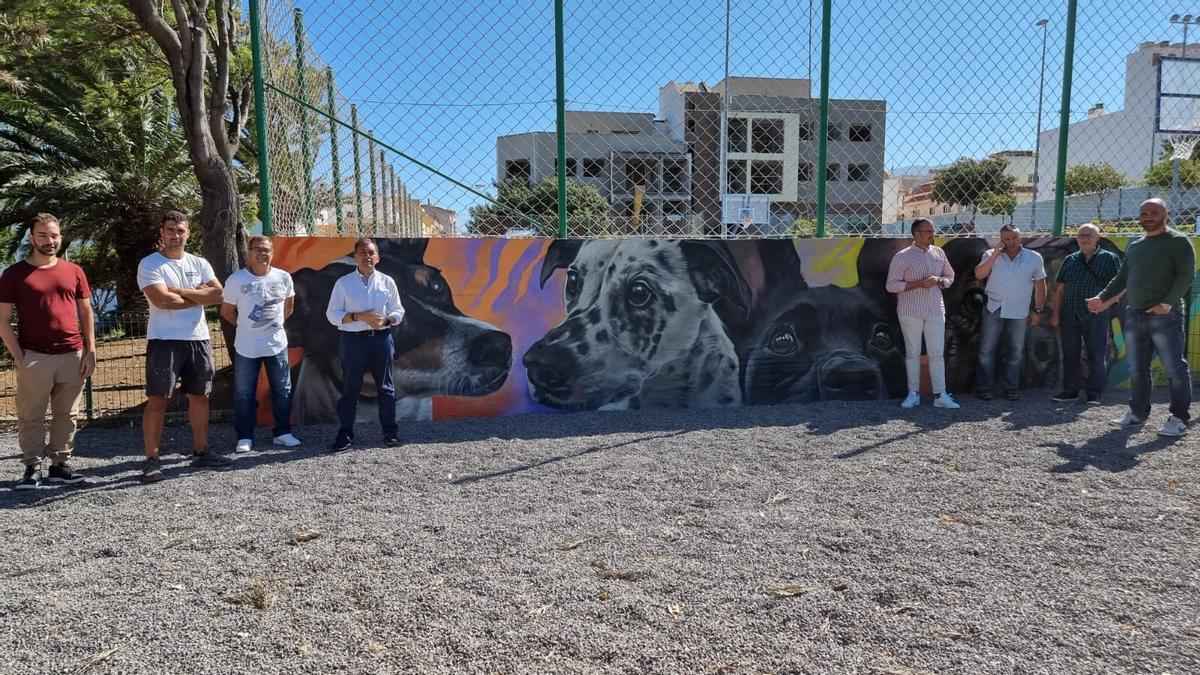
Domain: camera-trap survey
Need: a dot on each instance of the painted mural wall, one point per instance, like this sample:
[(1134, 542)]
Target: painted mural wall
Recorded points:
[(498, 327)]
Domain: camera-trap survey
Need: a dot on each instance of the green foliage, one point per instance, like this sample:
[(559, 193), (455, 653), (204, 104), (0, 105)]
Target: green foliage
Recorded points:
[(1159, 174), (966, 181), (537, 208), (803, 227), (1098, 178), (994, 204)]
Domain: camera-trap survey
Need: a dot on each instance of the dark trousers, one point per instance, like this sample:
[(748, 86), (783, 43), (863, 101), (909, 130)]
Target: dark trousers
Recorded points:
[(1146, 334), (363, 354), (1092, 334)]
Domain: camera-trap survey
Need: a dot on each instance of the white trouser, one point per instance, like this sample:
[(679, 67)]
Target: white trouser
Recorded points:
[(934, 332)]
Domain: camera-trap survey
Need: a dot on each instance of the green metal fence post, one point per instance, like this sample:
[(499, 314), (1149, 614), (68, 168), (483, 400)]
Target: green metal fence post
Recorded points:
[(333, 149), (1064, 124), (561, 116), (358, 208), (383, 194), (823, 139), (374, 191), (260, 122), (309, 219)]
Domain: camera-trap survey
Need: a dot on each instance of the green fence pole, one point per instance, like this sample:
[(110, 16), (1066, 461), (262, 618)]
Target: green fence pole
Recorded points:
[(561, 116), (383, 194), (374, 190), (823, 130), (306, 158), (333, 149), (1064, 124), (260, 122), (358, 209)]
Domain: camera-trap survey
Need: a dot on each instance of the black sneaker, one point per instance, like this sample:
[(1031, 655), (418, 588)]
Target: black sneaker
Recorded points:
[(31, 479), (152, 470), (1092, 399), (1065, 396), (211, 460), (1012, 395), (983, 394), (340, 444), (391, 440), (63, 475)]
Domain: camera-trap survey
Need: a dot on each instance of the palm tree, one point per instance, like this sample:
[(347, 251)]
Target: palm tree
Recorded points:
[(98, 145)]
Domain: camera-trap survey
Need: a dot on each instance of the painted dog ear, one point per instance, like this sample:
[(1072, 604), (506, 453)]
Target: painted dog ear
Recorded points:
[(560, 253), (873, 261), (715, 273), (781, 265), (964, 255), (402, 250)]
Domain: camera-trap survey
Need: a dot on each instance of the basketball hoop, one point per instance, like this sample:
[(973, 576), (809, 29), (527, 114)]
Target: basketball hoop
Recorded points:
[(1182, 146)]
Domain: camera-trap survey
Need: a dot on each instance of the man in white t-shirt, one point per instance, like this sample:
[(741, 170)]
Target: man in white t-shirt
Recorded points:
[(258, 299), (178, 285)]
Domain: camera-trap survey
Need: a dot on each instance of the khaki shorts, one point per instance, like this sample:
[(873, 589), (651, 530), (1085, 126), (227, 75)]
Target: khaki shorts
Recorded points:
[(188, 361)]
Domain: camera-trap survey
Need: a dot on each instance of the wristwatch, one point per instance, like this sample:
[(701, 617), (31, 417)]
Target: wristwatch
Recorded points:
[(1165, 306), (1038, 310)]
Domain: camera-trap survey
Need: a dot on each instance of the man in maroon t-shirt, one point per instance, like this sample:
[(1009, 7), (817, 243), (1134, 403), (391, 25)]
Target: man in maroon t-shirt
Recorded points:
[(55, 353)]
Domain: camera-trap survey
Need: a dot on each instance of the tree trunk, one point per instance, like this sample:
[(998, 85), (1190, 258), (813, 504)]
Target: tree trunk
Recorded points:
[(220, 225)]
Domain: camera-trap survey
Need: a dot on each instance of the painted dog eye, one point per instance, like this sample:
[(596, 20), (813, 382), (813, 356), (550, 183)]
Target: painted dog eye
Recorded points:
[(437, 285), (639, 294), (573, 284), (782, 340), (881, 338)]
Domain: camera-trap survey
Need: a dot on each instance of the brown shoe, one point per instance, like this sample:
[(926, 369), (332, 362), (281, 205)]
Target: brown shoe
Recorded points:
[(983, 394), (1012, 395)]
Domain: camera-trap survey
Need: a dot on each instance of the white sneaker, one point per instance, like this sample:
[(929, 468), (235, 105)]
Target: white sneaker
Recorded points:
[(913, 400), (288, 440), (1129, 420), (1173, 427), (943, 400), (244, 445)]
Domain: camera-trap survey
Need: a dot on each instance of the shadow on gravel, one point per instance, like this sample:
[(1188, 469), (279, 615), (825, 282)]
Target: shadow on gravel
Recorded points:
[(467, 480), (1108, 452)]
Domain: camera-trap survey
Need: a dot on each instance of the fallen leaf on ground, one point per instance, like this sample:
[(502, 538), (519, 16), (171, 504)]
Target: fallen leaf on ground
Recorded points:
[(790, 591), (94, 660), (538, 611), (571, 545), (378, 648), (778, 498), (674, 609), (302, 536), (603, 597)]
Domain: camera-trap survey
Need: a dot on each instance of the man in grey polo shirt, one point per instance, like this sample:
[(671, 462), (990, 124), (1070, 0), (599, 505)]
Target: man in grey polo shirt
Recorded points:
[(1012, 272)]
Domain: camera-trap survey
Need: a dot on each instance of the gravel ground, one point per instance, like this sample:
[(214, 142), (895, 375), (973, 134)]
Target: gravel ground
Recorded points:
[(836, 537)]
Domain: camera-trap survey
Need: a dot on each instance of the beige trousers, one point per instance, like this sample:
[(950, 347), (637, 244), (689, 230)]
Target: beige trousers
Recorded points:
[(48, 380)]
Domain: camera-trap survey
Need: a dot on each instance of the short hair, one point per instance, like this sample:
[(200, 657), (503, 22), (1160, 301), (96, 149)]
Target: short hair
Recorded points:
[(363, 241), (1089, 227), (1010, 228), (43, 219), (173, 216), (258, 239), (919, 222)]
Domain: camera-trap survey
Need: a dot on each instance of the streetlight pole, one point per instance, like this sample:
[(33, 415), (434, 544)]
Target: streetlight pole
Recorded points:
[(723, 170), (1037, 143)]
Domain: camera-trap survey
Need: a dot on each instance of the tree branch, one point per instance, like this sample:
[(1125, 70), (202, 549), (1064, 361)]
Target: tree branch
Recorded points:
[(219, 95)]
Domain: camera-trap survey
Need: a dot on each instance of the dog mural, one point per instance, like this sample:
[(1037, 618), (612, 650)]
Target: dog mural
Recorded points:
[(806, 344), (439, 350), (643, 326)]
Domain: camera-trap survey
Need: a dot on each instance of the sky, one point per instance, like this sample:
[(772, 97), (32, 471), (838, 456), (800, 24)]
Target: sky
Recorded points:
[(441, 80)]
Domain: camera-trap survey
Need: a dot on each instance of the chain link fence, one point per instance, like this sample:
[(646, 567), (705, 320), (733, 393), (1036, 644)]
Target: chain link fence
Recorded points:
[(718, 118), (116, 392)]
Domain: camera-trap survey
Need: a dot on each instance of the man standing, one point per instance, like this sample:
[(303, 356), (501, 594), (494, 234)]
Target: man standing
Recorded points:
[(1158, 270), (1083, 274), (55, 353), (1012, 272), (258, 299), (178, 285), (364, 305), (917, 275)]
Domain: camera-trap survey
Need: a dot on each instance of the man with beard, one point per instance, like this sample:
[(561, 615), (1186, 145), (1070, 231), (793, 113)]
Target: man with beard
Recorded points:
[(1156, 273), (178, 285), (55, 353)]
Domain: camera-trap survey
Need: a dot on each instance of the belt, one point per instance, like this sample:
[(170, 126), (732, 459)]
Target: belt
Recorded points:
[(365, 333)]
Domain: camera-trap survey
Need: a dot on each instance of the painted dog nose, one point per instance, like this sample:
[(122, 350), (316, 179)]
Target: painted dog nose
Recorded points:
[(493, 349), (850, 378), (550, 367)]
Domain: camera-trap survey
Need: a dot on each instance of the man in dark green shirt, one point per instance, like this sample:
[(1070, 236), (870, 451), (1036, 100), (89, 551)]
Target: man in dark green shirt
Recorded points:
[(1157, 271), (1083, 274)]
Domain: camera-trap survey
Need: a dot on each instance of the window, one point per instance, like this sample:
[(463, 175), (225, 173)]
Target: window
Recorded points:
[(858, 173), (767, 137), (675, 176), (833, 172), (641, 172), (806, 172), (593, 168), (835, 133), (806, 131), (517, 170), (674, 210), (736, 177), (766, 177), (737, 135), (570, 166), (860, 133)]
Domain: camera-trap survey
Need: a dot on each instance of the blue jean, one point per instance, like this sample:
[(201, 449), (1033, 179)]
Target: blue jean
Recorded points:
[(1092, 334), (363, 354), (991, 332), (1162, 333), (245, 384)]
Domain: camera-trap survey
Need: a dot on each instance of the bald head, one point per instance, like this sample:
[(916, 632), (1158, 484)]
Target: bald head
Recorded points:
[(1153, 216)]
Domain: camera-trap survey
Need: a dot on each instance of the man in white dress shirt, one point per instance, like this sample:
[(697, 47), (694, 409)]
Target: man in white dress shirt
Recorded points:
[(365, 305), (1013, 272)]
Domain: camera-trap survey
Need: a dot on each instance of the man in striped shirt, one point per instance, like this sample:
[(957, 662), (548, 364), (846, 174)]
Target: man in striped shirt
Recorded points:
[(917, 276)]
